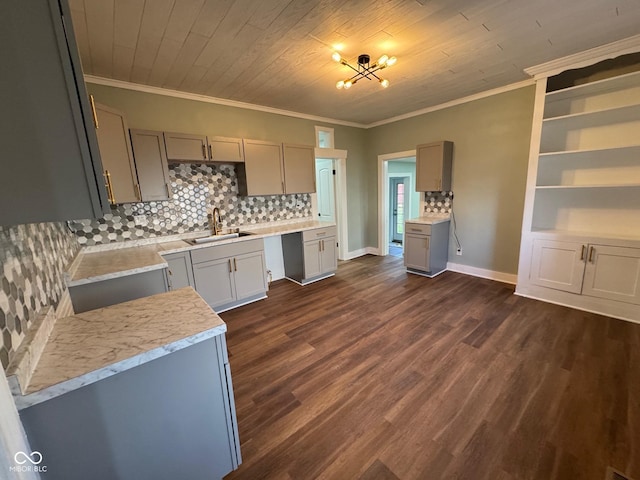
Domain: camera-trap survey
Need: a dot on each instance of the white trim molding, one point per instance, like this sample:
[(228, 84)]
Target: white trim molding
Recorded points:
[(218, 101), (586, 58), (362, 252), (482, 273)]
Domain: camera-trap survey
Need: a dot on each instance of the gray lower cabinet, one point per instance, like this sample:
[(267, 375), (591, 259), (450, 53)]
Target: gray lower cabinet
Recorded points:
[(117, 290), (180, 271), (310, 255), (51, 167), (227, 276), (426, 248), (173, 417)]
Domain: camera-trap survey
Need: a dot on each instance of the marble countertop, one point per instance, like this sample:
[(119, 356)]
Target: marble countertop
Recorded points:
[(90, 346), (430, 219), (98, 263)]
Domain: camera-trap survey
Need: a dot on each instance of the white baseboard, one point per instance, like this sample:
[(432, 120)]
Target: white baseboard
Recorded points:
[(362, 252), (483, 273)]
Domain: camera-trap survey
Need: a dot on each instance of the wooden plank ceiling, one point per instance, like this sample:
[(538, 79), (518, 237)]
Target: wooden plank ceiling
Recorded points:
[(277, 53)]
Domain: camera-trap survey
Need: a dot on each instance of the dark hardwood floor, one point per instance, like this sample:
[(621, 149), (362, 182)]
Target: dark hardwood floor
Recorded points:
[(377, 374)]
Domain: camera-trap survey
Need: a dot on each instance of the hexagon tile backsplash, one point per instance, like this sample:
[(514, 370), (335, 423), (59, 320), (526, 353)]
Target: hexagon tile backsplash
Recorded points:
[(33, 259), (197, 189)]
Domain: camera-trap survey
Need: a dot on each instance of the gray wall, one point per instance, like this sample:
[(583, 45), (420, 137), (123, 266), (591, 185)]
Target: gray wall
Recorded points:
[(491, 147), (157, 112)]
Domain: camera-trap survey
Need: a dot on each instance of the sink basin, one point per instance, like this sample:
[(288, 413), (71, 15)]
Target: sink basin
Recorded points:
[(216, 238)]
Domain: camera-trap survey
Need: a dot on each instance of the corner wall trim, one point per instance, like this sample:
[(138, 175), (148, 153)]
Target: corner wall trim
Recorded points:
[(361, 252), (483, 273)]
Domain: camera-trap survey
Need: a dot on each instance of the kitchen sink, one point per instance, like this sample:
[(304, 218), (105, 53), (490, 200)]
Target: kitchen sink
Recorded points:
[(216, 238)]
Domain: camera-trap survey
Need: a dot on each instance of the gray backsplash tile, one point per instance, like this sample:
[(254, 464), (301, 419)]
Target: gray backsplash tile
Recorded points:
[(197, 189), (438, 202), (33, 259)]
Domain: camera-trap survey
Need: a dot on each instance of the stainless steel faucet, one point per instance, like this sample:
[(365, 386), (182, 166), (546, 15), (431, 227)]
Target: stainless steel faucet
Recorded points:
[(216, 222)]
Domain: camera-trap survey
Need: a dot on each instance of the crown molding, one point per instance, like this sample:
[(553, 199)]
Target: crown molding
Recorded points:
[(453, 103), (218, 101), (586, 58)]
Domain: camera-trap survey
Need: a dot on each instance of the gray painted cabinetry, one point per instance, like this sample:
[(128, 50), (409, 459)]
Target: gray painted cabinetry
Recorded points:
[(170, 418), (433, 167), (227, 276), (426, 248), (225, 149), (180, 271), (183, 147), (261, 172), (51, 168), (151, 164), (310, 255), (299, 163)]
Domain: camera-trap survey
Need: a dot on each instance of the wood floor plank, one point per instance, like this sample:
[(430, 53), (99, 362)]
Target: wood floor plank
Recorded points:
[(376, 373)]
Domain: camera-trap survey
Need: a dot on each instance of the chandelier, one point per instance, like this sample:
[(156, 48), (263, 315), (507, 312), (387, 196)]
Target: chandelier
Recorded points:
[(364, 69)]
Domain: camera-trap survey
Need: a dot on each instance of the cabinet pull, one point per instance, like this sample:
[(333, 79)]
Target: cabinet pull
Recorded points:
[(415, 229), (319, 246), (93, 112), (321, 234), (169, 194), (582, 253), (283, 190), (107, 178), (138, 191), (204, 151), (210, 153), (322, 242), (426, 243), (235, 265), (591, 250), (230, 269)]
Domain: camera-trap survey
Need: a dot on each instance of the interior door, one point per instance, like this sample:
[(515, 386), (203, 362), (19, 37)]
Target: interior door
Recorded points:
[(397, 208), (325, 189), (613, 273)]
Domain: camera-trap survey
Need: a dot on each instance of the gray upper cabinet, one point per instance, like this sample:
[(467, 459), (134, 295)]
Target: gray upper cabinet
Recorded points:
[(151, 165), (225, 149), (117, 157), (299, 168), (51, 169), (433, 167), (261, 172), (183, 147)]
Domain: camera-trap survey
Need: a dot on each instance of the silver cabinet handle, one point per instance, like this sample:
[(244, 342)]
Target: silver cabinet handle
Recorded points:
[(584, 251)]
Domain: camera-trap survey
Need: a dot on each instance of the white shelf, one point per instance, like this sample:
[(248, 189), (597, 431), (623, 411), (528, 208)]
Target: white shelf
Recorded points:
[(569, 187), (583, 234), (622, 113), (616, 83), (591, 151)]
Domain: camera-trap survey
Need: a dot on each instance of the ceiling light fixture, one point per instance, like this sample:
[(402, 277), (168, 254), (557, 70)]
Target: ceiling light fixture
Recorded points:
[(364, 69)]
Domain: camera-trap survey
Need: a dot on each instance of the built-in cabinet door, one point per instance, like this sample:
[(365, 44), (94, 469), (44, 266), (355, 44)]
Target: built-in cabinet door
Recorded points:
[(262, 172), (250, 275), (433, 166), (558, 265), (214, 281), (416, 252), (613, 273), (117, 157), (312, 264), (180, 271), (299, 168), (183, 147), (225, 149), (328, 257), (151, 164)]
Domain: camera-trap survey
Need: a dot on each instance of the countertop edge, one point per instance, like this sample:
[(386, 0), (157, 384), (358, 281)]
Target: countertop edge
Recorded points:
[(118, 274), (48, 393)]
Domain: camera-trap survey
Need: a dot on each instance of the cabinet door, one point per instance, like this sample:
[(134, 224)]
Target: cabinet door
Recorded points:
[(613, 273), (117, 158), (433, 167), (51, 168), (180, 272), (250, 275), (299, 168), (262, 168), (416, 251), (182, 147), (224, 149), (214, 281), (328, 255), (151, 164), (558, 265), (312, 265)]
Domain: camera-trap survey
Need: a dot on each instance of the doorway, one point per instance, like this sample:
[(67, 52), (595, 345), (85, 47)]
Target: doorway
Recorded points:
[(397, 210), (325, 189)]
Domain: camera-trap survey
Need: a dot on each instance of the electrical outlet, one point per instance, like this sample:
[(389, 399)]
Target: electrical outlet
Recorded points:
[(459, 251), (140, 220)]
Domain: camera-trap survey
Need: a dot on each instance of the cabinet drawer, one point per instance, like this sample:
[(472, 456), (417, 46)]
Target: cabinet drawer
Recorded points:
[(319, 233), (229, 250), (420, 228)]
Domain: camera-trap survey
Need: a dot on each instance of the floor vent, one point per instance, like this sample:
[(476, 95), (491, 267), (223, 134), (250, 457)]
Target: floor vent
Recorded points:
[(613, 474)]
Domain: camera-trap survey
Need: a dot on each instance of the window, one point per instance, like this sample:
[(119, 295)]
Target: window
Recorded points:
[(324, 137)]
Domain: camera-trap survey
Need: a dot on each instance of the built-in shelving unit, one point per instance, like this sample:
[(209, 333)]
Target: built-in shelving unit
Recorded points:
[(583, 195)]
